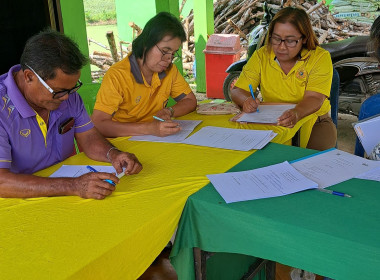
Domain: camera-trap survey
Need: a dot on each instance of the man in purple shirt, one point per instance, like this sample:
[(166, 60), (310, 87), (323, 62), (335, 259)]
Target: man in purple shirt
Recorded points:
[(40, 115)]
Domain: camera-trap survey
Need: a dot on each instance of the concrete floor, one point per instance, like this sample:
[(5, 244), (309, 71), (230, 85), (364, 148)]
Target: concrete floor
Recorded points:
[(346, 133)]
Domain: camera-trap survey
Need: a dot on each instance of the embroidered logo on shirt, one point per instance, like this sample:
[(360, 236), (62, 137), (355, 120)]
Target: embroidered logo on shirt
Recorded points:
[(25, 132), (138, 99), (10, 110), (301, 74)]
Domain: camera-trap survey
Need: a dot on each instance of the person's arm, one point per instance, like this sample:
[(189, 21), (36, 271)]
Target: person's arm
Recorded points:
[(90, 185), (96, 147), (181, 108), (244, 100), (111, 128), (311, 103)]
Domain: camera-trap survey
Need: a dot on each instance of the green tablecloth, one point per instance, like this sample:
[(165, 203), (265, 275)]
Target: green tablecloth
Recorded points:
[(330, 235)]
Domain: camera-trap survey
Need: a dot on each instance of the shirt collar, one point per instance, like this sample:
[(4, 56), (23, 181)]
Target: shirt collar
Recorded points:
[(136, 72), (15, 94), (18, 98)]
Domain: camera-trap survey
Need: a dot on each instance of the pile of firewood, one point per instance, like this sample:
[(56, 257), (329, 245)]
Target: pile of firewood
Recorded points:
[(241, 16)]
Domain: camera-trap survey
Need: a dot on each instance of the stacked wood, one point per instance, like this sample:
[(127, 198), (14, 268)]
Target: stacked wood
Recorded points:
[(240, 17)]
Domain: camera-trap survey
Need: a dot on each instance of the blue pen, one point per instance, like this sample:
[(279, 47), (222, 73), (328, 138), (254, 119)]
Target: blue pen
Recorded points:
[(253, 96), (94, 170), (334, 192), (159, 119)]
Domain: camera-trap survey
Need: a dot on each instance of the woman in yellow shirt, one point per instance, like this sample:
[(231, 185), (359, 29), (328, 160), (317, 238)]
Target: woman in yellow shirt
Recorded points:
[(291, 68), (138, 87)]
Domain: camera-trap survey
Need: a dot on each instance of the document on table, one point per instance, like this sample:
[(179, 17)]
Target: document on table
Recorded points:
[(271, 181), (79, 170), (367, 131), (230, 138), (333, 166), (187, 126), (266, 114), (373, 175)]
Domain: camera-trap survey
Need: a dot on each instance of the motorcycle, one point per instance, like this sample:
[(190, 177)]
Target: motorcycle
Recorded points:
[(359, 71)]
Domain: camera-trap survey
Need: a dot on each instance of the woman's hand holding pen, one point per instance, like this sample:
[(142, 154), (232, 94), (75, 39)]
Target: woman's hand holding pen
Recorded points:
[(164, 114), (163, 127), (250, 105)]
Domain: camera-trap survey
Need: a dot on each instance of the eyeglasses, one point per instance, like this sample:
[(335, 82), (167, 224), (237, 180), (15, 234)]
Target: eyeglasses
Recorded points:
[(290, 43), (174, 57), (56, 94)]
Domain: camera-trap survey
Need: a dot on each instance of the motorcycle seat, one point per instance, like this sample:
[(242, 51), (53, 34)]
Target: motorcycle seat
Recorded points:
[(354, 46)]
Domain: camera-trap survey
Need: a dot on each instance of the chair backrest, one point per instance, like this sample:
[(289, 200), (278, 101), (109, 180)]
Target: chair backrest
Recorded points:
[(369, 108), (334, 96)]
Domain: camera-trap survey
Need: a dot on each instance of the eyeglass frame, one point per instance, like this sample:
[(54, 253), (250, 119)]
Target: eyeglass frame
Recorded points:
[(175, 55), (284, 40), (56, 94)]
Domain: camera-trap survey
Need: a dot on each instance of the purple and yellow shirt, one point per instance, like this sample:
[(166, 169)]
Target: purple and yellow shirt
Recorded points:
[(26, 146)]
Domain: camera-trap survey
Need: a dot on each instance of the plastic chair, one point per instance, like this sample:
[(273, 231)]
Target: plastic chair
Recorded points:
[(369, 108), (334, 96)]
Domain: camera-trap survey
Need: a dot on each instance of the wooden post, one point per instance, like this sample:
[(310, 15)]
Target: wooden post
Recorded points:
[(111, 42), (203, 27)]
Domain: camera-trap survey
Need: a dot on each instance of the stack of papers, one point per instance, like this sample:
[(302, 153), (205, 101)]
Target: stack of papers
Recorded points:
[(187, 126), (321, 170), (333, 166), (367, 131), (267, 114), (271, 181), (229, 138), (79, 170)]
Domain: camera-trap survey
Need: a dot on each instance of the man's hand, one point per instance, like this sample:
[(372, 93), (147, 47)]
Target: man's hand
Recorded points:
[(92, 185), (120, 160)]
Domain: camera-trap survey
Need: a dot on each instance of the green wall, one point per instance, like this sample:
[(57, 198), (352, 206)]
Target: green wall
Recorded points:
[(74, 25), (139, 12)]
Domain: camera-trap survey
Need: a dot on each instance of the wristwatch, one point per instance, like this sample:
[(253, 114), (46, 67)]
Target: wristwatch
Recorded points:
[(171, 111)]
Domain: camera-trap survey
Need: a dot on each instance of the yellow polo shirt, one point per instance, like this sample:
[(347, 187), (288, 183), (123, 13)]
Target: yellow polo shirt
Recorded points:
[(126, 95), (312, 72)]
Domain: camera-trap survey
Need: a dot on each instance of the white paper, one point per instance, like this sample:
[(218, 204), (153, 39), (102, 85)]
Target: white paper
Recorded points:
[(373, 175), (187, 126), (368, 133), (266, 114), (229, 138), (271, 181), (79, 170), (333, 166)]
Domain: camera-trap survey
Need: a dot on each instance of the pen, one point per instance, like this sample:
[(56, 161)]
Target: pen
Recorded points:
[(334, 192), (253, 96), (159, 119), (94, 170)]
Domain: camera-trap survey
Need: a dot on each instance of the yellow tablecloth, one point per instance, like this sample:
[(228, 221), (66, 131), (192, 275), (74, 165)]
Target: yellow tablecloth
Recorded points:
[(120, 236)]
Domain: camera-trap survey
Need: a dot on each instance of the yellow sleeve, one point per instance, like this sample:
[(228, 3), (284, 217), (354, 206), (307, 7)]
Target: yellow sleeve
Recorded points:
[(251, 72), (179, 84), (320, 76), (110, 94)]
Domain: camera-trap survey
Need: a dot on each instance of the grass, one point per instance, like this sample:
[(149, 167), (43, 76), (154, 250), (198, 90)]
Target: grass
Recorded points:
[(99, 10)]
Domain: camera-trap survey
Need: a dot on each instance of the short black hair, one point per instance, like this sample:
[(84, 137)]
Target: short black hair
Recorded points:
[(50, 50), (159, 26), (375, 36)]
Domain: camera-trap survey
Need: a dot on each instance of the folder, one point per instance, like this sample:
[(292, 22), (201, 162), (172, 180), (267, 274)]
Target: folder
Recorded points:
[(368, 132)]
